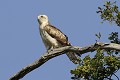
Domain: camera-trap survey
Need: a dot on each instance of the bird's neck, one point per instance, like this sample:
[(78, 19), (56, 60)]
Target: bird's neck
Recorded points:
[(42, 25)]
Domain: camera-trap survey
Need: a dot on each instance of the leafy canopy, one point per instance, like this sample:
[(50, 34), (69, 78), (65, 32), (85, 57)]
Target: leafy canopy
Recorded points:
[(105, 63)]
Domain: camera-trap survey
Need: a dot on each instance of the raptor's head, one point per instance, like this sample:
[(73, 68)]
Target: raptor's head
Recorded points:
[(42, 19)]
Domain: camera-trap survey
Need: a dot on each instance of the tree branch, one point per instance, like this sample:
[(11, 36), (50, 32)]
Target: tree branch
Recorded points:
[(59, 51)]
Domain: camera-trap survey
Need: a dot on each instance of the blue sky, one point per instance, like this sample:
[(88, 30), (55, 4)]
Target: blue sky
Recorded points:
[(21, 44)]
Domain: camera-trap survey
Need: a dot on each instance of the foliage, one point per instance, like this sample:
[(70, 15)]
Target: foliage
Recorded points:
[(110, 12), (98, 68), (114, 38), (104, 64), (98, 35)]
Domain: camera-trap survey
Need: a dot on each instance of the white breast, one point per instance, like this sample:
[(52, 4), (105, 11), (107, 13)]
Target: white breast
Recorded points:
[(49, 42)]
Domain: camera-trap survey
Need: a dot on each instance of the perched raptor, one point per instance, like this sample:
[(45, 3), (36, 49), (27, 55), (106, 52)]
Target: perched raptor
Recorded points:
[(53, 37)]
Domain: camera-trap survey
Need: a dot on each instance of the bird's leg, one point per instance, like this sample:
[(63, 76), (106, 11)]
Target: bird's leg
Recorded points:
[(49, 50)]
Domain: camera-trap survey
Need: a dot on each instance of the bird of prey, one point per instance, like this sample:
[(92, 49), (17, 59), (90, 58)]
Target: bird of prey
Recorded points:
[(54, 38)]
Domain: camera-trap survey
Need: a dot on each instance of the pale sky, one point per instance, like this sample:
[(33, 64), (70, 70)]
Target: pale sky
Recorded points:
[(21, 44)]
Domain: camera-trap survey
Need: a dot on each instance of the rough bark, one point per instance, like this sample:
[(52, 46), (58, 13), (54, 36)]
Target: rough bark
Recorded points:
[(59, 51)]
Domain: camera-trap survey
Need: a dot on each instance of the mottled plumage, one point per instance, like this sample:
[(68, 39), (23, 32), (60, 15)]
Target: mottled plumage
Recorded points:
[(53, 37)]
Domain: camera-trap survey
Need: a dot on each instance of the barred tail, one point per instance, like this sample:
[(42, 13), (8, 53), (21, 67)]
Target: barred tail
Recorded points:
[(73, 57)]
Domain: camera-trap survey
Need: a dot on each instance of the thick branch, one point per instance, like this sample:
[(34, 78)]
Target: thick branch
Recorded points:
[(59, 51)]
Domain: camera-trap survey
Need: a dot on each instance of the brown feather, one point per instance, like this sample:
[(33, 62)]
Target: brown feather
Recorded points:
[(57, 34)]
